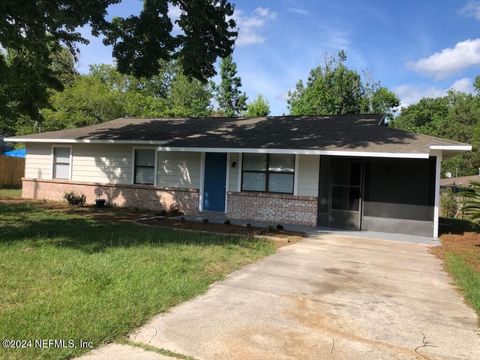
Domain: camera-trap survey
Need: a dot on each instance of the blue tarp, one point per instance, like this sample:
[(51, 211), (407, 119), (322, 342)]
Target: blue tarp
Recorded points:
[(17, 153)]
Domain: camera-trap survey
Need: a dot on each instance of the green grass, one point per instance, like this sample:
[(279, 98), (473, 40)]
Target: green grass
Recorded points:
[(10, 193), (466, 278), (69, 277)]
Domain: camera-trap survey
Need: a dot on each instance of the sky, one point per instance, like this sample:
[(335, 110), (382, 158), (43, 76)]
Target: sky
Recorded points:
[(415, 48)]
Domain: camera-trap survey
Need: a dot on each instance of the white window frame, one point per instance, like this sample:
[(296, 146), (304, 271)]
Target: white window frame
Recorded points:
[(52, 168), (155, 167)]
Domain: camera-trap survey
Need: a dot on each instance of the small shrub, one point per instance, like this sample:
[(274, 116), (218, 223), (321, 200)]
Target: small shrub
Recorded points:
[(74, 199), (448, 204), (182, 219), (280, 227), (175, 210), (271, 229), (205, 221), (249, 225), (227, 222)]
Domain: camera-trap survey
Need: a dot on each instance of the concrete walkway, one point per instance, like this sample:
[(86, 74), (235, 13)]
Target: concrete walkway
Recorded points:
[(326, 297)]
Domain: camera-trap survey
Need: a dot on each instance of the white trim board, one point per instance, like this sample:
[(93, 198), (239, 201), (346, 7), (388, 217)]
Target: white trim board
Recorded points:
[(298, 151), (451, 147), (85, 141)]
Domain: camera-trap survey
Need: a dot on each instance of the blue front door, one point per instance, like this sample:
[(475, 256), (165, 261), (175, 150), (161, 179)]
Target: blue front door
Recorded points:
[(215, 181)]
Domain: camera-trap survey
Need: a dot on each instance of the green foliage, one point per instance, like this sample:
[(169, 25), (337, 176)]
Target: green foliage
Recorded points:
[(88, 101), (74, 199), (334, 89), (139, 41), (258, 107), (455, 116), (471, 207), (231, 100), (105, 94), (465, 277), (188, 98), (448, 204), (25, 84)]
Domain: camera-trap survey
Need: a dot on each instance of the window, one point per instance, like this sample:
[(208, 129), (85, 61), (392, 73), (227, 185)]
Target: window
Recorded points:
[(268, 173), (144, 172), (61, 163)]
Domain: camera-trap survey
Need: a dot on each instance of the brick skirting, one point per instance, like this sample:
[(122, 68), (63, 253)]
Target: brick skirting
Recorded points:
[(134, 196), (274, 208)]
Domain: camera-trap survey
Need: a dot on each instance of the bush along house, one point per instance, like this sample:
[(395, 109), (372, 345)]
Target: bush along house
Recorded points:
[(349, 171)]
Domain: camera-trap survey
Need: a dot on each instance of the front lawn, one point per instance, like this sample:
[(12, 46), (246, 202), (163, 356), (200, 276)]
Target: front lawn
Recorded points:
[(461, 254), (67, 276)]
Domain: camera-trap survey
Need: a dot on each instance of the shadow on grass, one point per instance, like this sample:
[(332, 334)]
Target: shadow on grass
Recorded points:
[(38, 227)]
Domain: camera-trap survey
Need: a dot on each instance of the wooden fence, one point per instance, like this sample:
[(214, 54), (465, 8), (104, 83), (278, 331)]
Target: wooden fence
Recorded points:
[(12, 170)]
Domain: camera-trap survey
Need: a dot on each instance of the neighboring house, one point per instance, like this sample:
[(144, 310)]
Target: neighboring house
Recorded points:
[(336, 171), (457, 183)]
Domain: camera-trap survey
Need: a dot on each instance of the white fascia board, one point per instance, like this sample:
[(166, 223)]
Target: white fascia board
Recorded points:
[(299, 151), (451, 147), (84, 141)]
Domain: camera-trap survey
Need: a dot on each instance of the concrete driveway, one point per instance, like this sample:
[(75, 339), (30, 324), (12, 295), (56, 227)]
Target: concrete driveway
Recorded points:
[(327, 297)]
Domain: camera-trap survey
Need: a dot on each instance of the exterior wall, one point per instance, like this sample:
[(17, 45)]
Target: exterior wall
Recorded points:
[(274, 208), (143, 197), (308, 172), (38, 162), (102, 163), (178, 169)]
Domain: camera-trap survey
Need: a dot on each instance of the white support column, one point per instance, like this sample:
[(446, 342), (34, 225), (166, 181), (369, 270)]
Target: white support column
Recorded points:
[(239, 174), (436, 209), (295, 175), (202, 180), (227, 182)]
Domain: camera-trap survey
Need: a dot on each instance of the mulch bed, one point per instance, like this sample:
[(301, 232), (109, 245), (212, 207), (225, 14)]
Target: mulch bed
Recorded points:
[(466, 245)]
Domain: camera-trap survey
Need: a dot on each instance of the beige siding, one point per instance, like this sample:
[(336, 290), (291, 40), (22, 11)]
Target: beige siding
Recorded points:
[(308, 172), (38, 163), (178, 169), (233, 180), (102, 163)]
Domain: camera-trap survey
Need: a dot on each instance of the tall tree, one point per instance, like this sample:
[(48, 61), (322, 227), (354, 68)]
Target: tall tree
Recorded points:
[(334, 89), (231, 100), (455, 116), (139, 41), (26, 83), (258, 107)]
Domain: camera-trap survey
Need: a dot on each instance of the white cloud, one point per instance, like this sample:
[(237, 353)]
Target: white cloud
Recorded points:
[(250, 26), (463, 85), (298, 11), (451, 60), (410, 94), (471, 9)]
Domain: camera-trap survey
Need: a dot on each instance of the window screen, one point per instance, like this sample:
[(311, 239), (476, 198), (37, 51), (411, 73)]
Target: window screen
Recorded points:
[(144, 166), (61, 163), (268, 173)]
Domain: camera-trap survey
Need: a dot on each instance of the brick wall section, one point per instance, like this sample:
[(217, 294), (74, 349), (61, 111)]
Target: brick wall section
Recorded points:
[(274, 208), (134, 196)]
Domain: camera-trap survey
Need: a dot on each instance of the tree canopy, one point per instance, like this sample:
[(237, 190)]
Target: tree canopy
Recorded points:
[(105, 94), (455, 116), (258, 107), (334, 89), (139, 41), (231, 100)]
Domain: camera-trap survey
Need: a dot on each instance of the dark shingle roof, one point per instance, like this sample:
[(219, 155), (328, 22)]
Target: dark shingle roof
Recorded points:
[(347, 132)]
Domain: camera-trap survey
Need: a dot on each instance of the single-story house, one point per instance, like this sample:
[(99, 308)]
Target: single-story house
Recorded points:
[(347, 171), (458, 183)]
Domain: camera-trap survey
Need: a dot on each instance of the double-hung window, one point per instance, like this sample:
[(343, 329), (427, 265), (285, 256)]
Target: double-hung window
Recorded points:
[(144, 167), (61, 162), (273, 173)]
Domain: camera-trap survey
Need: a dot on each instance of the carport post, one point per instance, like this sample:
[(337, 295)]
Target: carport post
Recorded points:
[(436, 209)]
